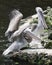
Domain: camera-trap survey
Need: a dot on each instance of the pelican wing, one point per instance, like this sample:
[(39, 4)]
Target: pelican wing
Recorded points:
[(16, 16)]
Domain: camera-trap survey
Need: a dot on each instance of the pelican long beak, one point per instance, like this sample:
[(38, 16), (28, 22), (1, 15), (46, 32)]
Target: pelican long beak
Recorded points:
[(6, 52), (10, 49), (41, 18)]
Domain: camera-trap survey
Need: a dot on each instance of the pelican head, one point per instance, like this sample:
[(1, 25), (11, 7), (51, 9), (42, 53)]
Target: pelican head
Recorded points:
[(41, 19), (15, 16), (38, 9)]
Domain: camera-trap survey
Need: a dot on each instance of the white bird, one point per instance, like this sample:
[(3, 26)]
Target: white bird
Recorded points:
[(16, 16)]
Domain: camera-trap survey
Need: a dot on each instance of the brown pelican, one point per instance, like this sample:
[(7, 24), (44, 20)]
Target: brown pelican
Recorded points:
[(16, 16)]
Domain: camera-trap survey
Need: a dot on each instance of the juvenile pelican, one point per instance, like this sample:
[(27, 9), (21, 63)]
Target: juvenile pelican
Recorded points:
[(16, 16)]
